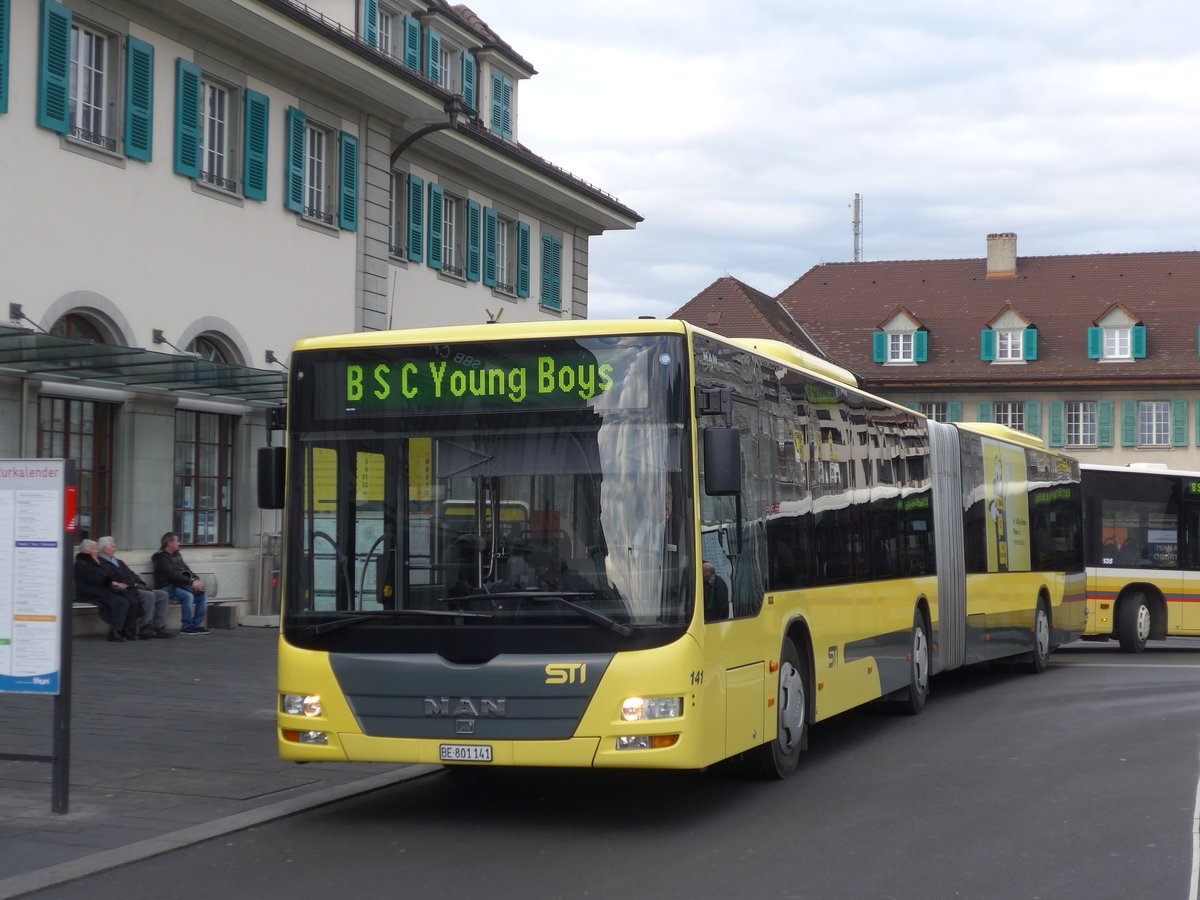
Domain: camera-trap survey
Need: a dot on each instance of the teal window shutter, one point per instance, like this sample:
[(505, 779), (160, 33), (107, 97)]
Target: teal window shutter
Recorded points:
[(297, 125), (491, 229), (1057, 414), (1198, 423), (987, 345), (501, 105), (187, 118), (470, 77), (1138, 337), (1095, 342), (985, 411), (879, 343), (522, 259), (348, 182), (474, 239), (254, 145), (437, 208), (371, 22), (433, 56), (416, 218), (915, 407), (139, 99), (1029, 343), (412, 43), (54, 68), (921, 346), (1104, 423), (551, 272), (1179, 423), (1129, 412), (4, 29), (1033, 417), (954, 411)]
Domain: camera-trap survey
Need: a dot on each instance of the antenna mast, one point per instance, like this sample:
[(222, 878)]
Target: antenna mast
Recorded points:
[(856, 219)]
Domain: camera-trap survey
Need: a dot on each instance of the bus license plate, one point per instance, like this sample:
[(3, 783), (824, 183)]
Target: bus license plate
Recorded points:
[(465, 753)]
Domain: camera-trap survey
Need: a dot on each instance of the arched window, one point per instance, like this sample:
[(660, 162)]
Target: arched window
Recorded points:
[(210, 349), (79, 328)]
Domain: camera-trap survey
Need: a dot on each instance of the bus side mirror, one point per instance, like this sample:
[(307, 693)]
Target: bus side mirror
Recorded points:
[(722, 461), (272, 463)]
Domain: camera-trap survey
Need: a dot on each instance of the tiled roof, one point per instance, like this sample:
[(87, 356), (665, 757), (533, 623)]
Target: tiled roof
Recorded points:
[(841, 304), (734, 309), (472, 20)]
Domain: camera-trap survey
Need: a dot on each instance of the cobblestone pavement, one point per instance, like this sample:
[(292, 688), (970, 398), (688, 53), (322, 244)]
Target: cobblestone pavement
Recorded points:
[(172, 742)]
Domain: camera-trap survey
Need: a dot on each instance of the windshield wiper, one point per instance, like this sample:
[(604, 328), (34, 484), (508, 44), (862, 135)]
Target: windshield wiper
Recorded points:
[(338, 624), (591, 615)]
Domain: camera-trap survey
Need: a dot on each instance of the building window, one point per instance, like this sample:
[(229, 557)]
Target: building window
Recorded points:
[(1081, 423), (203, 477), (397, 214), (1010, 345), (391, 30), (209, 350), (900, 346), (935, 410), (215, 146), (505, 256), (82, 430), (1117, 343), (1154, 423), (91, 68), (452, 235), (322, 172), (1011, 414)]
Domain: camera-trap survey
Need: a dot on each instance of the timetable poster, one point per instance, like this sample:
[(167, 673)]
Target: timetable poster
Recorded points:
[(32, 509)]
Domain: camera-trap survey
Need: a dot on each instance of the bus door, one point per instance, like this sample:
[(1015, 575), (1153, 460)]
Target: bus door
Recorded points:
[(1189, 557)]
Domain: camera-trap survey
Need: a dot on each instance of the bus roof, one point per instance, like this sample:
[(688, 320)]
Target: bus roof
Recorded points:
[(991, 429), (494, 331), (1141, 468)]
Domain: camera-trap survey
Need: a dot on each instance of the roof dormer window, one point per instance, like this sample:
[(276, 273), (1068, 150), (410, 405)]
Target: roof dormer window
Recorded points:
[(901, 341), (1009, 338), (1117, 336)]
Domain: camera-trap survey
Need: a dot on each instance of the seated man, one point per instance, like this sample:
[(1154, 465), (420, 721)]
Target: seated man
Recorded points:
[(94, 584), (171, 574), (152, 605)]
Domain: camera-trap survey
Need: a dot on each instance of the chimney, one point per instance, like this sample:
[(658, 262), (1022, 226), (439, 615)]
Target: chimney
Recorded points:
[(1002, 255)]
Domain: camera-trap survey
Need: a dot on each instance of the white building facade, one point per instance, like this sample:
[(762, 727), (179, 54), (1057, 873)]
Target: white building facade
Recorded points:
[(193, 185)]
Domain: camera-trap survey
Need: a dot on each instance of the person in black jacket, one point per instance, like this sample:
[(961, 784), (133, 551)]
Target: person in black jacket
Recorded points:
[(172, 575), (94, 584), (151, 605)]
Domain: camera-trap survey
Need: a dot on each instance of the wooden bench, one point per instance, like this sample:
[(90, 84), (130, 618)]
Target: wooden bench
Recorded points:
[(223, 612)]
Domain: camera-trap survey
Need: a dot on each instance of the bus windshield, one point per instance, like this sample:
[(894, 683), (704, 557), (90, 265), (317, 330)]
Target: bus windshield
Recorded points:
[(541, 495)]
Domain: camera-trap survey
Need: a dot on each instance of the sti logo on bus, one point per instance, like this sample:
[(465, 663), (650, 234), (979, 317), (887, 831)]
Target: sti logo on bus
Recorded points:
[(565, 673)]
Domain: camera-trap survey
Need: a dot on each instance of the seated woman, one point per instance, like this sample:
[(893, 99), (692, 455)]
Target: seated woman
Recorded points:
[(94, 584)]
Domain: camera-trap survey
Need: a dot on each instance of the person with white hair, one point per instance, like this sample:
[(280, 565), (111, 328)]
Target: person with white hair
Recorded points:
[(94, 584), (152, 604)]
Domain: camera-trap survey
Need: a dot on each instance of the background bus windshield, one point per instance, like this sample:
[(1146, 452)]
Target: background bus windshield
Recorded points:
[(490, 486)]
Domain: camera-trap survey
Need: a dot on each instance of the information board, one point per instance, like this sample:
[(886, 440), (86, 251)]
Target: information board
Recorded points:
[(32, 534)]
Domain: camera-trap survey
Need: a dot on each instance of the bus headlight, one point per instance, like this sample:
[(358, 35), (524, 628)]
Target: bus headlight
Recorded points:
[(635, 709), (301, 705)]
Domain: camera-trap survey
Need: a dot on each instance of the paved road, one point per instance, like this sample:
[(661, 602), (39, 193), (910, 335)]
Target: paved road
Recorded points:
[(1079, 784)]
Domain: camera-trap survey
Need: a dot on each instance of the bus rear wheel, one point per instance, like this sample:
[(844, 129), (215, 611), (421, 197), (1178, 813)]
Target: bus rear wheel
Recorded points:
[(779, 758), (1133, 623), (912, 699)]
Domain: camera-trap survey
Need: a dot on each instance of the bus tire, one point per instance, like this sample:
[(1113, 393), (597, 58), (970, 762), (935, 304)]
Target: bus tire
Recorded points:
[(1133, 623), (1039, 656), (779, 758), (911, 700)]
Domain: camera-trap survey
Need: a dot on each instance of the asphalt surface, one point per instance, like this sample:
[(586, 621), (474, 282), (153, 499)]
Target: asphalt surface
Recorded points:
[(172, 742)]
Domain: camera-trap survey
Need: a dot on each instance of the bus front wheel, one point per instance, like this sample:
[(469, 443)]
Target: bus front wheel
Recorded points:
[(1039, 657), (1133, 623), (779, 758)]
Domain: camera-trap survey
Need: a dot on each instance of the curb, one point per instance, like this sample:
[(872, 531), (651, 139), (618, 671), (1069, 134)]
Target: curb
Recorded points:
[(94, 863)]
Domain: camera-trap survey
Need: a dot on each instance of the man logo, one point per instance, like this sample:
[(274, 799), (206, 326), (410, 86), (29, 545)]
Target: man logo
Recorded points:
[(566, 673), (467, 707)]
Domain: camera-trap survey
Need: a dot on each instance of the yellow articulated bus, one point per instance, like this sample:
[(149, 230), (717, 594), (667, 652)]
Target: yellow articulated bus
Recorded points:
[(637, 544), (1142, 549)]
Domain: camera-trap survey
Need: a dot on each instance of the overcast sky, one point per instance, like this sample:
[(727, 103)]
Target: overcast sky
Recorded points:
[(741, 132)]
